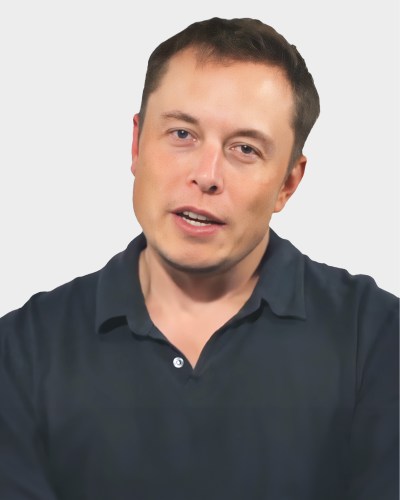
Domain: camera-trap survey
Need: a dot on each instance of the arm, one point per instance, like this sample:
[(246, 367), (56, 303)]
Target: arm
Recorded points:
[(374, 438), (23, 473)]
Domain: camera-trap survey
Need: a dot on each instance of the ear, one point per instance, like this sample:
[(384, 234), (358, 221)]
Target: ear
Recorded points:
[(135, 143), (290, 183)]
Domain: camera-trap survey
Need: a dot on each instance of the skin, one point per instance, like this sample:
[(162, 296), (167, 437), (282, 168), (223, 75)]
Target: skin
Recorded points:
[(216, 137)]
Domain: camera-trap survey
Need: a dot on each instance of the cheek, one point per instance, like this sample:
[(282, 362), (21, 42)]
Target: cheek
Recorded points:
[(156, 171), (258, 197), (144, 190), (147, 180), (260, 210), (153, 186)]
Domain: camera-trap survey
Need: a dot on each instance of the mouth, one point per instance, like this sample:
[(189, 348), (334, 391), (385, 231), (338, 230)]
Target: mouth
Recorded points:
[(198, 218)]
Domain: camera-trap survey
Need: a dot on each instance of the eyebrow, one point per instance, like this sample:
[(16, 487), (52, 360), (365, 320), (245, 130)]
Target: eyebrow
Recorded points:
[(266, 142), (179, 115)]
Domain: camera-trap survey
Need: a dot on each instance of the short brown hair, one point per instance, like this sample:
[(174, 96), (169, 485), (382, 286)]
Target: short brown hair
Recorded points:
[(242, 40)]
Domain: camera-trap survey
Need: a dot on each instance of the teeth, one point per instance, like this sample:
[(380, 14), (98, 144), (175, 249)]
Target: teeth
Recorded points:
[(196, 222), (193, 215)]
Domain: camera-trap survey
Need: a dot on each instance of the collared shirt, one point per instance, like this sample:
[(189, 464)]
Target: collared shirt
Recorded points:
[(295, 397)]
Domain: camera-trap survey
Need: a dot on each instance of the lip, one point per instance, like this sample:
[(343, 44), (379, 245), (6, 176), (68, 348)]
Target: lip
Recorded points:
[(209, 215), (187, 229)]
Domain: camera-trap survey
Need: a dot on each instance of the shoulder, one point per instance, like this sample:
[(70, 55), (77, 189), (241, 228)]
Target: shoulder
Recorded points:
[(326, 287), (47, 310), (80, 305), (361, 316), (338, 286), (48, 326), (353, 302)]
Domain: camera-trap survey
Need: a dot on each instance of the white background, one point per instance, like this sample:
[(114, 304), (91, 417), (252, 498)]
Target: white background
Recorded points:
[(71, 79)]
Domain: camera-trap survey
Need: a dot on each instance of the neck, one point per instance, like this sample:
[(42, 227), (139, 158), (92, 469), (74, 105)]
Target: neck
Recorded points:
[(162, 283)]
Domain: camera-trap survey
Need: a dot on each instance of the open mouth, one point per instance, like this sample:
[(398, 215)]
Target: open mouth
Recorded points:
[(196, 219)]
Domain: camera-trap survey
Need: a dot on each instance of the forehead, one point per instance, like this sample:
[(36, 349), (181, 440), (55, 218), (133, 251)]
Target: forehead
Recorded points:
[(190, 63), (188, 71), (243, 93)]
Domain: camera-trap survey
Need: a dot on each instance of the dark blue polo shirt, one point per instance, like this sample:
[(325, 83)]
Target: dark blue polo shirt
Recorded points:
[(294, 398)]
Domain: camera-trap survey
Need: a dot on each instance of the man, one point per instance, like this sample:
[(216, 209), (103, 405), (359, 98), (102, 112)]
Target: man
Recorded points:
[(210, 359)]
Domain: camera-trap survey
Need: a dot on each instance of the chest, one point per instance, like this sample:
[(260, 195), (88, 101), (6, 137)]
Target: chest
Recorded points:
[(243, 423)]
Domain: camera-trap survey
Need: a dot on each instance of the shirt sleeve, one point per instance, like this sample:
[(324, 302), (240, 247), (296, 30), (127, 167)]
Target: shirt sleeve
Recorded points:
[(23, 472), (374, 436)]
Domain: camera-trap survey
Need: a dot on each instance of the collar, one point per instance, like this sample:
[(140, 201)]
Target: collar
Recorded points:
[(281, 282), (120, 300), (119, 297)]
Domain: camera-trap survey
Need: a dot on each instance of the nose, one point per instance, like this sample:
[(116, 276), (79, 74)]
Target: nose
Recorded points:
[(207, 170)]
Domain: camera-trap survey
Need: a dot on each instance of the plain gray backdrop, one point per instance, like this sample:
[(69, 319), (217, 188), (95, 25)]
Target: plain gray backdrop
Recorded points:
[(71, 80)]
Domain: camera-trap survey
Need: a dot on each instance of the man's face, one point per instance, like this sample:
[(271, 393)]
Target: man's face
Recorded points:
[(210, 167)]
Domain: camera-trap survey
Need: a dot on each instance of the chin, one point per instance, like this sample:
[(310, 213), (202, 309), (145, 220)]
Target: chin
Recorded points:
[(193, 266)]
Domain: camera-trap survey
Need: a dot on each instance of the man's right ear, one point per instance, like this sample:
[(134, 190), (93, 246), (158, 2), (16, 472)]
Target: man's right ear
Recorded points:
[(135, 143)]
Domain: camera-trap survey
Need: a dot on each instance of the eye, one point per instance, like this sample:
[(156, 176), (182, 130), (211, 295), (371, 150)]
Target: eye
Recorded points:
[(247, 151), (181, 134), (181, 138)]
